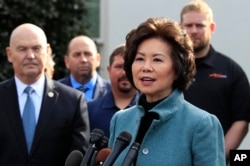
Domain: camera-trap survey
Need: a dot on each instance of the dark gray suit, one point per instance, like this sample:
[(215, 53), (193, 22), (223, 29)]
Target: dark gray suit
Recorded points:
[(101, 88), (62, 126)]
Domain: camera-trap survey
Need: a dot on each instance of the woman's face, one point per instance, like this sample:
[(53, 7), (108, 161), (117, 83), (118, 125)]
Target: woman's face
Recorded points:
[(152, 69)]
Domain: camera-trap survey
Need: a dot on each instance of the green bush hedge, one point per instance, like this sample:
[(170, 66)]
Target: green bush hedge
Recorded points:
[(60, 19)]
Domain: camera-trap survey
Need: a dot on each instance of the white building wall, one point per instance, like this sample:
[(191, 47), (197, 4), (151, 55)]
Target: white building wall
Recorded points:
[(232, 35)]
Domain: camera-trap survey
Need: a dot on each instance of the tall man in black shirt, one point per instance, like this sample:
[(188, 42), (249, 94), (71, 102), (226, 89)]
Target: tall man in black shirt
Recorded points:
[(220, 86)]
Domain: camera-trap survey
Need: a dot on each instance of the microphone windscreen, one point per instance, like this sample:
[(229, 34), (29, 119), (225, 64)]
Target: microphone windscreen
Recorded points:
[(103, 143), (102, 155), (74, 158), (125, 137), (96, 135)]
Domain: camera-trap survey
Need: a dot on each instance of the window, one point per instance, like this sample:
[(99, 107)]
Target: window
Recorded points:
[(93, 17)]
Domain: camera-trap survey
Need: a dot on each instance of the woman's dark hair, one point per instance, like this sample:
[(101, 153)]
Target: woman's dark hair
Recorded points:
[(170, 32)]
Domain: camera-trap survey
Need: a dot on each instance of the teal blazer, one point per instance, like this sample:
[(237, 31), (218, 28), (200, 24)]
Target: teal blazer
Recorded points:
[(184, 135)]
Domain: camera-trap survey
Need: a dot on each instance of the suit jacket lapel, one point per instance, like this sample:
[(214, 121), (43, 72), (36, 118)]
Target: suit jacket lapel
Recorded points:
[(11, 107), (68, 82), (50, 97), (99, 88)]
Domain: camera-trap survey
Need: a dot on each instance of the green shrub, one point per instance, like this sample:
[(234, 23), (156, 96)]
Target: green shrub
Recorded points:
[(60, 19)]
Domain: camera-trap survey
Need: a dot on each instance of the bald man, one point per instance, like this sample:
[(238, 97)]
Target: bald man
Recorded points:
[(82, 60), (59, 114)]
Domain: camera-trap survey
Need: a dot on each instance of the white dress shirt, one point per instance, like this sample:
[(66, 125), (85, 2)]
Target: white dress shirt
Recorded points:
[(37, 95)]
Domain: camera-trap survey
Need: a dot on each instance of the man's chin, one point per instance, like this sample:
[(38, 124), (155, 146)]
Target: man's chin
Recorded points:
[(198, 49), (125, 89), (84, 74), (32, 74)]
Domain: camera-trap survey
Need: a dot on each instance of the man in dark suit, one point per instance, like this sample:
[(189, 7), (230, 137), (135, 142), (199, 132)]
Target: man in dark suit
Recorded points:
[(82, 60), (57, 113)]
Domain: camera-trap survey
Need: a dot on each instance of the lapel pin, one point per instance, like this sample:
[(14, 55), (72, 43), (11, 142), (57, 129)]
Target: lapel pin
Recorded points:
[(50, 94)]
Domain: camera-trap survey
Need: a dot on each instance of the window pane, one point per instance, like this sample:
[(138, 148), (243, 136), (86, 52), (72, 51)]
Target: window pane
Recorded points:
[(93, 17)]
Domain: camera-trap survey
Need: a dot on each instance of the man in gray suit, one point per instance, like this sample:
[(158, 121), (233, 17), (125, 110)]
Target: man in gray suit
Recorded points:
[(57, 115), (82, 60)]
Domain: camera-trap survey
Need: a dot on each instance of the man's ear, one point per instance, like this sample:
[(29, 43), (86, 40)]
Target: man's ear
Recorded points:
[(8, 53), (49, 50), (108, 69), (66, 61), (212, 27), (98, 56)]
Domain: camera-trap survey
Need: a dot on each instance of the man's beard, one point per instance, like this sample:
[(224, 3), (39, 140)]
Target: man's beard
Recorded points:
[(85, 77), (125, 89), (200, 46)]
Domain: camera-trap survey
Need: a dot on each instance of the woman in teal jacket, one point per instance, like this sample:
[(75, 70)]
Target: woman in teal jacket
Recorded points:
[(159, 62)]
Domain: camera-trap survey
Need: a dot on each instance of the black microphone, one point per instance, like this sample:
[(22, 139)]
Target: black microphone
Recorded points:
[(103, 143), (121, 143), (96, 136), (131, 155), (99, 146), (74, 158)]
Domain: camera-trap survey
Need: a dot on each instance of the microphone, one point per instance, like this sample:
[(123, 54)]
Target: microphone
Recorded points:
[(131, 155), (96, 137), (103, 143), (99, 146), (101, 156), (74, 158), (121, 143)]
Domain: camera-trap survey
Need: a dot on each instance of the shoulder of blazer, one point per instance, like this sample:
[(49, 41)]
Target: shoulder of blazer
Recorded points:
[(103, 83), (8, 82), (8, 86), (65, 80)]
